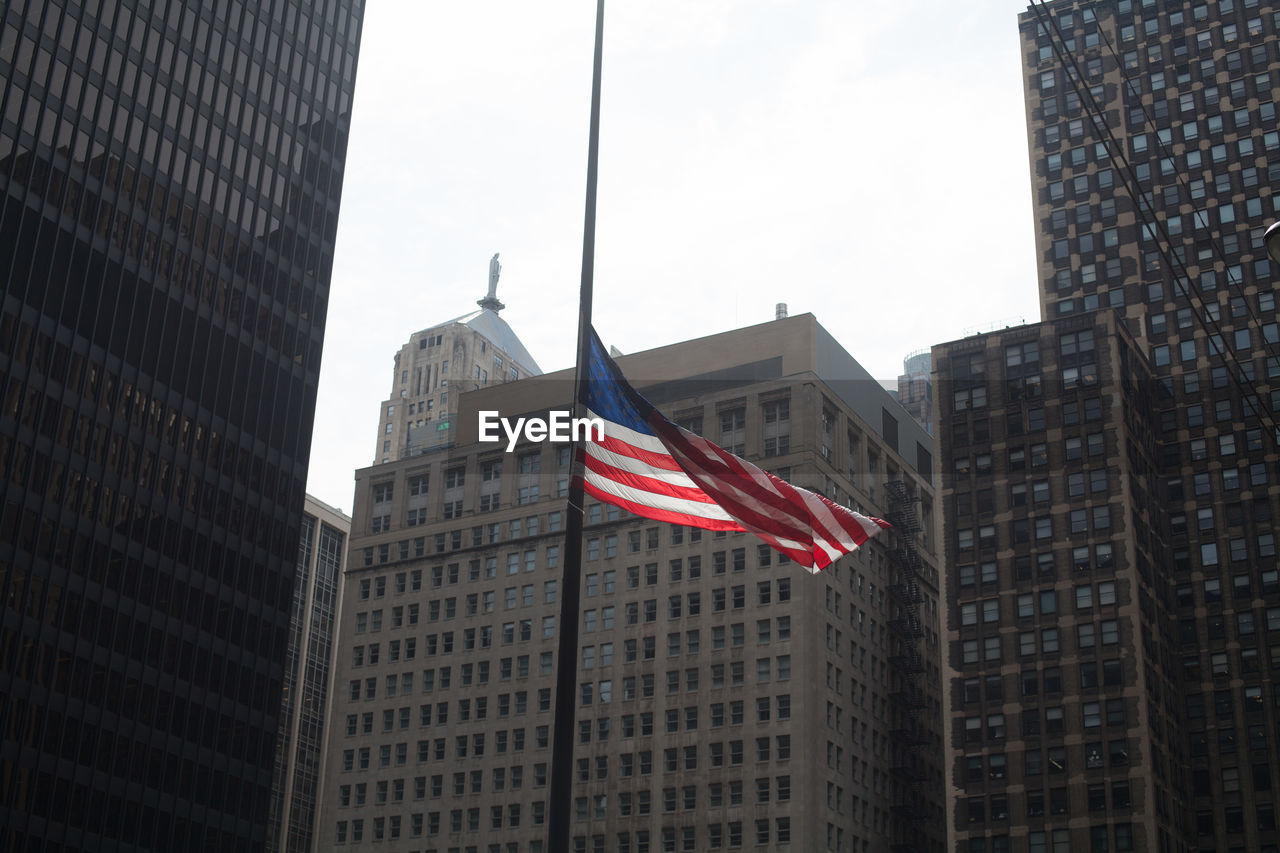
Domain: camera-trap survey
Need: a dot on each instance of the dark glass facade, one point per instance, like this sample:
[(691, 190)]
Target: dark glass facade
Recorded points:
[(169, 182), (322, 549)]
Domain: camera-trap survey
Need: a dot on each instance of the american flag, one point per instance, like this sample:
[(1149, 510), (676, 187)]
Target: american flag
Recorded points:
[(651, 467)]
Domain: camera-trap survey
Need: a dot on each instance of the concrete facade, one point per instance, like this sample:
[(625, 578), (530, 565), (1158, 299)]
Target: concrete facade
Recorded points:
[(726, 699)]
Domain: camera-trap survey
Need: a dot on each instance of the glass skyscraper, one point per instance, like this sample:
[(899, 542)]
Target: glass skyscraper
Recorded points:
[(322, 557), (169, 183)]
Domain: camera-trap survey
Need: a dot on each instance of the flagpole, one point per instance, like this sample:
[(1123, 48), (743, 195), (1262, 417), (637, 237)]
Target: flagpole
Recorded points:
[(560, 807)]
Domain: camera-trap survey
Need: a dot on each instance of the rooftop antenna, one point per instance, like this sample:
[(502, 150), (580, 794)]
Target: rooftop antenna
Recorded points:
[(491, 301)]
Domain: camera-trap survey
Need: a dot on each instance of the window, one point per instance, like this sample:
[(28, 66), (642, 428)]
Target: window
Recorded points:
[(732, 430), (776, 436)]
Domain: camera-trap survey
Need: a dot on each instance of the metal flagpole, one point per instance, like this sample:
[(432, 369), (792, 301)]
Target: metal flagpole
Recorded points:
[(560, 807)]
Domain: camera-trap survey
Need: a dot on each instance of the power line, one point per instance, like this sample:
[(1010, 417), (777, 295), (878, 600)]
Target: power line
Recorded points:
[(1144, 210), (1181, 179)]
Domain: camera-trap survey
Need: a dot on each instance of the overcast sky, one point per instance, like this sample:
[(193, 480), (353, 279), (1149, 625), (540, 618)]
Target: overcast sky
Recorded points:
[(865, 162)]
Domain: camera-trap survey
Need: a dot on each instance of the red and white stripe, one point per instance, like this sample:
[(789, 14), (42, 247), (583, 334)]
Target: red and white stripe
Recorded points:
[(805, 526), (682, 478), (636, 472)]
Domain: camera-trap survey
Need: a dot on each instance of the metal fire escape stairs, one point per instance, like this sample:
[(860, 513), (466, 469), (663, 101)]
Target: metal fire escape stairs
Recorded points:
[(910, 735)]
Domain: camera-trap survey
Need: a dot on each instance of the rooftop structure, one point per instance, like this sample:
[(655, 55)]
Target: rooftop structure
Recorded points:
[(466, 353)]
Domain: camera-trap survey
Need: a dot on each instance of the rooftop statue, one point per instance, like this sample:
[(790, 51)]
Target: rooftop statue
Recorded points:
[(491, 301)]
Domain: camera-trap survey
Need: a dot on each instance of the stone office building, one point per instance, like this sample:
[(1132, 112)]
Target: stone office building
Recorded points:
[(727, 699), (438, 364)]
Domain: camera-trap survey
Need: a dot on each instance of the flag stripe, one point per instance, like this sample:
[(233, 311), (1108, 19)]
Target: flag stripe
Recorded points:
[(643, 505), (762, 509), (833, 534), (636, 438), (658, 461), (757, 499), (710, 468), (655, 469), (642, 479)]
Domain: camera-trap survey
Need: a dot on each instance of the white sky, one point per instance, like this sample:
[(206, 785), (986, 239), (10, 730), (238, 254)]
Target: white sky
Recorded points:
[(866, 162)]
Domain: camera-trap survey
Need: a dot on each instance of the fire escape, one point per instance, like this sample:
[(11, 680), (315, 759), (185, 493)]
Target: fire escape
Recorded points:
[(912, 739)]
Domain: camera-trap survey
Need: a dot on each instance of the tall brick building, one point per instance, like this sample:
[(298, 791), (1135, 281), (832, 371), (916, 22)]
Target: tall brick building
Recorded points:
[(1110, 480)]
